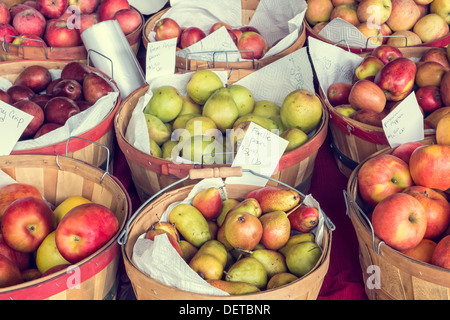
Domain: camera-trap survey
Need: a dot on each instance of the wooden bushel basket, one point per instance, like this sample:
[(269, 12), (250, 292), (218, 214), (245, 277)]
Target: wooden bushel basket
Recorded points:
[(57, 178), (9, 51), (248, 9), (400, 277), (353, 141), (82, 149), (147, 288), (151, 174)]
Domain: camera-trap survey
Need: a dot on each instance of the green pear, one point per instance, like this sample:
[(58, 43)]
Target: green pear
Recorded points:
[(234, 288), (155, 149), (301, 109), (202, 149), (210, 260), (165, 103), (280, 279), (157, 130), (180, 121), (279, 123), (189, 106), (227, 205), (169, 149), (266, 109), (248, 269), (266, 123), (296, 138), (249, 205), (190, 223), (302, 257), (202, 84), (273, 261), (202, 125), (295, 239), (243, 97), (222, 109)]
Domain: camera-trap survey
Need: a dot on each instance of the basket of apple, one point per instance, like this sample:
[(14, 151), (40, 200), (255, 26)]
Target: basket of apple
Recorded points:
[(398, 205), (360, 26), (73, 107), (387, 77), (59, 220), (241, 43), (216, 240), (52, 29)]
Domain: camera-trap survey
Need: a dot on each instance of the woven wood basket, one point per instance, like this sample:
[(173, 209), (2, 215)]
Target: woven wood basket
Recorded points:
[(248, 9), (83, 149), (147, 288), (401, 277), (57, 178)]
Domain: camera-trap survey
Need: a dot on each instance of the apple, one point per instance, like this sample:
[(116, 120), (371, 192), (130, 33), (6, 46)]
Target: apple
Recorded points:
[(370, 117), (429, 166), (85, 229), (371, 31), (85, 6), (405, 150), (5, 15), (252, 45), (7, 32), (29, 21), (404, 38), (381, 176), (233, 36), (87, 20), (366, 95), (441, 253), (377, 10), (55, 269), (249, 28), (218, 25), (166, 28), (429, 98), (60, 109), (304, 218), (368, 67), (20, 92), (345, 110), (108, 8), (46, 128), (26, 222), (59, 34), (68, 88), (191, 35), (5, 97), (346, 12), (436, 207), (30, 274), (442, 8), (431, 27), (152, 233), (437, 54), (128, 19), (52, 9), (20, 259), (338, 92), (400, 221), (404, 14), (74, 70), (237, 33), (9, 273), (33, 109), (14, 191), (387, 53), (385, 32), (396, 78), (28, 39), (445, 88), (15, 9)]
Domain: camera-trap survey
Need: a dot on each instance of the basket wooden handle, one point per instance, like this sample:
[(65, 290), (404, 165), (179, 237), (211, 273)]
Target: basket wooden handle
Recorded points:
[(217, 172)]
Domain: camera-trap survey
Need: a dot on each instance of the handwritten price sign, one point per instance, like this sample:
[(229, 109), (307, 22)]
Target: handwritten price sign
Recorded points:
[(12, 124)]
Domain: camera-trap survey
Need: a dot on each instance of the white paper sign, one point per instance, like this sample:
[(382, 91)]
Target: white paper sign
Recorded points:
[(260, 151), (13, 122), (160, 58), (404, 123)]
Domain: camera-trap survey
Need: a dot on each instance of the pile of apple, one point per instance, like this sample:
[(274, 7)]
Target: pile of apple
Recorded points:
[(406, 193), (59, 23), (52, 102), (398, 23), (248, 39), (385, 77), (36, 240), (261, 242)]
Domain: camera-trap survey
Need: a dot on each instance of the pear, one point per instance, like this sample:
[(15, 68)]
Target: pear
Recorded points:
[(202, 149), (249, 205), (295, 239), (209, 202), (301, 109), (155, 149), (188, 249), (280, 279), (210, 260), (165, 103), (201, 126), (279, 123), (180, 121), (220, 236), (190, 223), (273, 261), (189, 106), (242, 230), (222, 109), (266, 123), (227, 205), (276, 229), (266, 109), (245, 101), (234, 288), (202, 84), (296, 138), (169, 149), (157, 130), (272, 198), (302, 257), (249, 270)]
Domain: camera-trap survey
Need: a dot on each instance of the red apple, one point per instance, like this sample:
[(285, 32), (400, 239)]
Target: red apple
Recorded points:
[(429, 98), (387, 53), (436, 207), (75, 70), (218, 25), (46, 128), (128, 19), (366, 95), (370, 117), (26, 222), (441, 254), (85, 229), (59, 34), (249, 29), (108, 8), (14, 191), (405, 150), (5, 97), (85, 6), (5, 15), (87, 20), (166, 28), (35, 110), (9, 273), (233, 36), (36, 77), (252, 45), (237, 32), (396, 78), (152, 233), (41, 99), (338, 93), (29, 21), (381, 176), (83, 105), (28, 39), (430, 166), (304, 218), (51, 9), (191, 35), (20, 92), (60, 109), (7, 32), (15, 9), (55, 269), (20, 259), (208, 202), (30, 274), (68, 88)]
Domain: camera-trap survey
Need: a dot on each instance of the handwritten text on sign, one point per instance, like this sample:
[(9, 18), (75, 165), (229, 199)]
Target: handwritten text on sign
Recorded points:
[(12, 124), (160, 58)]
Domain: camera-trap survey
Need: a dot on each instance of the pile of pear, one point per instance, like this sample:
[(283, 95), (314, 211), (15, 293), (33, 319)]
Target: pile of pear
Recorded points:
[(241, 246), (211, 109)]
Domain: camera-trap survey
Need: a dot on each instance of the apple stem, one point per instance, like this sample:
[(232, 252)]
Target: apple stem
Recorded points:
[(293, 209)]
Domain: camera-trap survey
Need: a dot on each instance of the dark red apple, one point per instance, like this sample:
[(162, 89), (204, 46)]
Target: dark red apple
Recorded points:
[(41, 99), (5, 97), (46, 128), (36, 77), (249, 28), (59, 109), (68, 88), (52, 9), (18, 92), (35, 110), (75, 70), (95, 87), (429, 98), (191, 35), (338, 93)]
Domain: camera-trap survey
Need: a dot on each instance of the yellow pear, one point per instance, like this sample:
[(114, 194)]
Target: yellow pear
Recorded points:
[(169, 150), (266, 109), (48, 255), (302, 257), (280, 279), (165, 103), (155, 149), (202, 84), (210, 260), (227, 205), (188, 249), (272, 198), (245, 101), (180, 121), (202, 149), (249, 270), (234, 288), (295, 239), (222, 109), (67, 204), (189, 106), (296, 138), (273, 261), (157, 130), (202, 125)]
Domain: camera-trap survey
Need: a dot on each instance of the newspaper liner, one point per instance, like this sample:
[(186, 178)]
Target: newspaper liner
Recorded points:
[(162, 262)]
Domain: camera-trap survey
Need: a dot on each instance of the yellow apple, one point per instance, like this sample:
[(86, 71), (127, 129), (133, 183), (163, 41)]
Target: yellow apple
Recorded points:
[(404, 15), (442, 8), (372, 32), (431, 27), (67, 204), (47, 254), (404, 38), (318, 11)]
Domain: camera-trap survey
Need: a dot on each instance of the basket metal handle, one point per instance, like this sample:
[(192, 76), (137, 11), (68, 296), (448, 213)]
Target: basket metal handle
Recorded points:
[(95, 51), (226, 52), (5, 45)]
